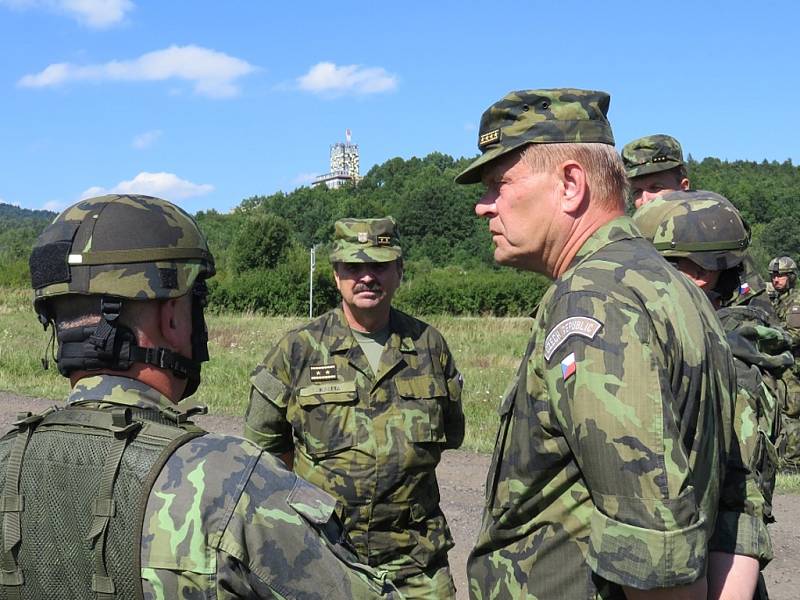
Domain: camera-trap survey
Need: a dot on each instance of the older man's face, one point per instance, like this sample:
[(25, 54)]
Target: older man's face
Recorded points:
[(520, 206), (368, 286)]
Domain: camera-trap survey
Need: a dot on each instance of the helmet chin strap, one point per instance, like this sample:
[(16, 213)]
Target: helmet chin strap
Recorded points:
[(110, 345)]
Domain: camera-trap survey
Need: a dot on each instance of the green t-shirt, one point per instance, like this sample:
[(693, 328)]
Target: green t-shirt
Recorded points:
[(372, 344)]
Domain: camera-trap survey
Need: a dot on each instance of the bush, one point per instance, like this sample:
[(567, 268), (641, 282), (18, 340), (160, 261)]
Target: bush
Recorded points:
[(479, 292), (279, 291)]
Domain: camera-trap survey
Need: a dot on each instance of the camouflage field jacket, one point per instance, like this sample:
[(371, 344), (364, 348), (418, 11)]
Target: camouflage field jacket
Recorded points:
[(226, 520), (609, 459), (371, 440)]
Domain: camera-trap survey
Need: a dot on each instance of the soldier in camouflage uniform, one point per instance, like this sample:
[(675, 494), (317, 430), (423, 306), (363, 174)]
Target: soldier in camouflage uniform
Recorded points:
[(704, 236), (117, 495), (607, 469), (783, 271), (654, 165), (362, 401)]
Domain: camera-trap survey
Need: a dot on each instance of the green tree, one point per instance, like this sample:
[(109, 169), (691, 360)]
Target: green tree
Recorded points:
[(261, 242)]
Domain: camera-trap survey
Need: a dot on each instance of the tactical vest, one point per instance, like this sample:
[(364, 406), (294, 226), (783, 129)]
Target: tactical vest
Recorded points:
[(758, 372), (74, 493)]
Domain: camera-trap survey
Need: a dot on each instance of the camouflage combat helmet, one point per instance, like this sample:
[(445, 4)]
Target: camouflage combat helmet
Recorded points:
[(699, 225), (651, 154), (119, 248), (126, 246), (783, 265), (365, 241), (539, 117)]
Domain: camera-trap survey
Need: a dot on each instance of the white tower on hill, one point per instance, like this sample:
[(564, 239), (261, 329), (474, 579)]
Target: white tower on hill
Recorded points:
[(344, 164)]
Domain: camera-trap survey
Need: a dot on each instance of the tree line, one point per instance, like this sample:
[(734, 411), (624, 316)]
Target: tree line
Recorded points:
[(262, 246)]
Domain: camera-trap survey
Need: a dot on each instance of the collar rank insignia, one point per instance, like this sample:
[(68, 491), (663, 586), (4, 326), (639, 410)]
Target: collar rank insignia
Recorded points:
[(568, 366), (583, 326), (489, 137), (384, 240), (323, 372), (362, 237)]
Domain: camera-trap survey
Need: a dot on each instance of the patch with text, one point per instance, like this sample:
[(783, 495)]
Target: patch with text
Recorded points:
[(584, 326)]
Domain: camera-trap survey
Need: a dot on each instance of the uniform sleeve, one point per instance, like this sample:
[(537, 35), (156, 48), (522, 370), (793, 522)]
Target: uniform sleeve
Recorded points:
[(611, 394), (265, 420), (284, 537), (226, 519), (453, 412)]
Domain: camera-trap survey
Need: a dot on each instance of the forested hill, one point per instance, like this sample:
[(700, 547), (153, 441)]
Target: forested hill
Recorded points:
[(262, 245)]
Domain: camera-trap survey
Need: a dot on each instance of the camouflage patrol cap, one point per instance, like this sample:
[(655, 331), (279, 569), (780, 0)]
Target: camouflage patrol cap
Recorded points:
[(539, 117), (126, 246), (365, 241), (651, 154), (699, 225), (782, 265)]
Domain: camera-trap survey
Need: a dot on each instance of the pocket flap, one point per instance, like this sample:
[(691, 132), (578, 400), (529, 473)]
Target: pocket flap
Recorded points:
[(314, 504), (336, 392), (422, 386)]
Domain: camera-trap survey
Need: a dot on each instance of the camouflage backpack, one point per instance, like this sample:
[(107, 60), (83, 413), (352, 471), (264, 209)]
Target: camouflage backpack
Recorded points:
[(74, 494)]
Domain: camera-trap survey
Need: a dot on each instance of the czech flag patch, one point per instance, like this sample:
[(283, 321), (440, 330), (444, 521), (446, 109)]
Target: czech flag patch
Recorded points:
[(568, 366), (744, 289)]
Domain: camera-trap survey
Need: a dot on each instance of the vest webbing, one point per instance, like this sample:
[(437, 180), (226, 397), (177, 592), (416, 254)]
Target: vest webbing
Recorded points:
[(74, 495)]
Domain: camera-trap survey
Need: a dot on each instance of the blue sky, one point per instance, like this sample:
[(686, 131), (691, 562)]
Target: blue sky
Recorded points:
[(206, 103)]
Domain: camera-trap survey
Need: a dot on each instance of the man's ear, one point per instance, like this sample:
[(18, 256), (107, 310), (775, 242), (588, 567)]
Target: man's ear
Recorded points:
[(168, 321), (684, 184), (575, 189)]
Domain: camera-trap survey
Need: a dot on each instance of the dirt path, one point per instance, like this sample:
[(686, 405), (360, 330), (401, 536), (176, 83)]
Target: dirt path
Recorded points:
[(461, 477)]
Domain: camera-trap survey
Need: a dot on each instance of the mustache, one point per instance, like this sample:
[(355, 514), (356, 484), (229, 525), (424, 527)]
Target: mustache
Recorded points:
[(364, 287)]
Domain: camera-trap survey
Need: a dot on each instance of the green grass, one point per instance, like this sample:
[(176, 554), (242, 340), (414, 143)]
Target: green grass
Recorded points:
[(788, 483), (487, 351)]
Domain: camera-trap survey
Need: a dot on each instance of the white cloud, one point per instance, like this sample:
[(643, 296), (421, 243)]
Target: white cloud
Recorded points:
[(146, 139), (54, 205), (327, 78), (98, 14), (304, 178), (213, 73), (164, 185)]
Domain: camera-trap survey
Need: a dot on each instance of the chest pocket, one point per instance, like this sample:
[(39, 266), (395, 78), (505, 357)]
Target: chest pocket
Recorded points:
[(328, 417), (421, 401)]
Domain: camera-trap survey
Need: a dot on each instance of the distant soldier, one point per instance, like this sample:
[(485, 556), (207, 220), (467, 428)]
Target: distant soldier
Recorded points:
[(655, 167), (361, 402), (118, 495), (704, 236), (783, 272), (606, 475)]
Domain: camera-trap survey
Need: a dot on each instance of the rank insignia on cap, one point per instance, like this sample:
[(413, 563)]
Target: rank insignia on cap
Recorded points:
[(362, 237), (568, 366), (384, 240), (322, 372), (488, 137), (744, 289), (584, 326)]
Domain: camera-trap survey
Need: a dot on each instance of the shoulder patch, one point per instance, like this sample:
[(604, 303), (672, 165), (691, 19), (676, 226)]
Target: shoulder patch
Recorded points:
[(322, 372), (583, 326)]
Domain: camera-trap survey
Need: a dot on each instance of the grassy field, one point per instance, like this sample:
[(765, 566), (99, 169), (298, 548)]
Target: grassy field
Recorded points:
[(487, 351)]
